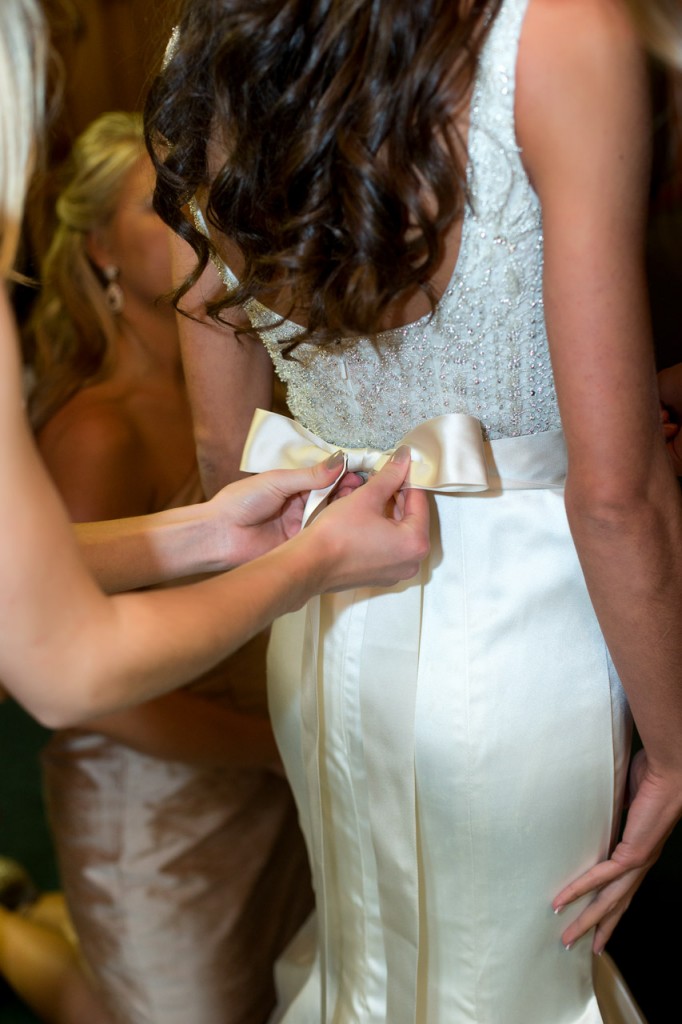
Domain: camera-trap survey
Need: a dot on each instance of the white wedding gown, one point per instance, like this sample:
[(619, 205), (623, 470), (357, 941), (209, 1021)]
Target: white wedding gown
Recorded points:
[(457, 746)]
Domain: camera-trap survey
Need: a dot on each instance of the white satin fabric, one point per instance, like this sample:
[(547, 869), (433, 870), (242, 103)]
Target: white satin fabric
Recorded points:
[(457, 752)]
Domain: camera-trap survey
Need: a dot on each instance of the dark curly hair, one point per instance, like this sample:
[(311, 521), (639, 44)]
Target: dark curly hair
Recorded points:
[(343, 166)]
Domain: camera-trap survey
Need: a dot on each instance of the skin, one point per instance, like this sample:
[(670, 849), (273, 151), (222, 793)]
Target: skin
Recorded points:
[(69, 660), (582, 117), (124, 447), (582, 109), (670, 388), (227, 378), (40, 959)]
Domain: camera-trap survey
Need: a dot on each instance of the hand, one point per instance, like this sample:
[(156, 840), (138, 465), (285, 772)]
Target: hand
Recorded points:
[(375, 537), (655, 808), (259, 513), (670, 389), (673, 441)]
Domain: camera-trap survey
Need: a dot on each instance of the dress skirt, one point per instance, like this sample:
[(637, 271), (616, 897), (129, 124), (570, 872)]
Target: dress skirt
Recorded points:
[(184, 882), (457, 747)]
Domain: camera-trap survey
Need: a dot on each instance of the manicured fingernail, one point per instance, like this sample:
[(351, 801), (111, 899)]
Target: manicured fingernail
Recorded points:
[(557, 910), (568, 945), (335, 461), (402, 454)]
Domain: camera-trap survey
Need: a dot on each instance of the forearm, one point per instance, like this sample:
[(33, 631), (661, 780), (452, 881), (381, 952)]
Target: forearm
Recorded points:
[(70, 653), (227, 376), (103, 654), (125, 554), (632, 559)]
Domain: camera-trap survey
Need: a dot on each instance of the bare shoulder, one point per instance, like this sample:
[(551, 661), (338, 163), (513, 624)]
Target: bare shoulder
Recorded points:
[(97, 459), (587, 31), (89, 427), (581, 76)]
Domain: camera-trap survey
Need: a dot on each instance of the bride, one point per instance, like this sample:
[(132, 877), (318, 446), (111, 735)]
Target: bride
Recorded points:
[(428, 219)]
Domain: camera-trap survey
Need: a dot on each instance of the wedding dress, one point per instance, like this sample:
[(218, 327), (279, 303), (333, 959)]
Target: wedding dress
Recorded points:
[(457, 745)]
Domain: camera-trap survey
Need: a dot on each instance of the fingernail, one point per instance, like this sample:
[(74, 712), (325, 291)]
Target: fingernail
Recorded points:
[(402, 454), (568, 945), (557, 910), (335, 461)]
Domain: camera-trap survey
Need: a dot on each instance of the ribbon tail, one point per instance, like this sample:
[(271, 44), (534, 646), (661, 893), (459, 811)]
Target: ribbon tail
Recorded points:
[(318, 499), (390, 675)]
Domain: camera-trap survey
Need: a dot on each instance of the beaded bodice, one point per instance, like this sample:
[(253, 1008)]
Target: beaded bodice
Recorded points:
[(484, 350)]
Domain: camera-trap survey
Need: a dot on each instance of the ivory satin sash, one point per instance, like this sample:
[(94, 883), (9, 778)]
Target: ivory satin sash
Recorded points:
[(450, 456)]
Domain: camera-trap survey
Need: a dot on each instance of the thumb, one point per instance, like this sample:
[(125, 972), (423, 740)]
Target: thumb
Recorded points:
[(308, 478), (392, 476)]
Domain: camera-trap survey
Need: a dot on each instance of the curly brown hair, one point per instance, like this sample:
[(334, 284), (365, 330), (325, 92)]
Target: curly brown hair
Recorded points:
[(343, 166)]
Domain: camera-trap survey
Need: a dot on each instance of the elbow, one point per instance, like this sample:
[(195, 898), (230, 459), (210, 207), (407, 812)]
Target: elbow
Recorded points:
[(601, 505), (54, 710), (63, 710), (60, 705), (216, 469), (53, 718), (611, 506)]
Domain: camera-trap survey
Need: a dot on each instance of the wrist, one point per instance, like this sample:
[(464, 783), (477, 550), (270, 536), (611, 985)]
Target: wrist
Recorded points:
[(191, 541), (309, 565)]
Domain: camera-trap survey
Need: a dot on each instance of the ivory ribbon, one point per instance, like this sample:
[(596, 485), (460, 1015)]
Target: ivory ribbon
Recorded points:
[(447, 453)]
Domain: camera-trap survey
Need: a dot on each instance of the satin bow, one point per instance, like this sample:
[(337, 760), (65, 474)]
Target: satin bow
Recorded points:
[(447, 453)]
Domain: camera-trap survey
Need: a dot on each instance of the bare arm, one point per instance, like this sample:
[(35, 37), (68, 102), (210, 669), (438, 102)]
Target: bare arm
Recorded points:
[(227, 378), (242, 521), (140, 551), (68, 652), (582, 111), (101, 469)]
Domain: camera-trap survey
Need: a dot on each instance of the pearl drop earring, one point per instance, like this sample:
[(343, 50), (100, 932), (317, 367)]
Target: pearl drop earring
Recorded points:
[(113, 291)]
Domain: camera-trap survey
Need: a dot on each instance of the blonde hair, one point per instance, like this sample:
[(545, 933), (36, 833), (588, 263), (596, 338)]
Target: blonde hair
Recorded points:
[(660, 24), (23, 50), (72, 328)]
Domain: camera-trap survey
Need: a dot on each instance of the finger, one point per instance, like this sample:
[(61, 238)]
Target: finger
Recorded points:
[(343, 491), (416, 507), (383, 485), (596, 878), (602, 915), (309, 478), (605, 930), (395, 507), (348, 483)]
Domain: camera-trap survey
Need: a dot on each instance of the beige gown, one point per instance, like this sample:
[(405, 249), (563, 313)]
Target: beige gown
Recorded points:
[(184, 883)]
